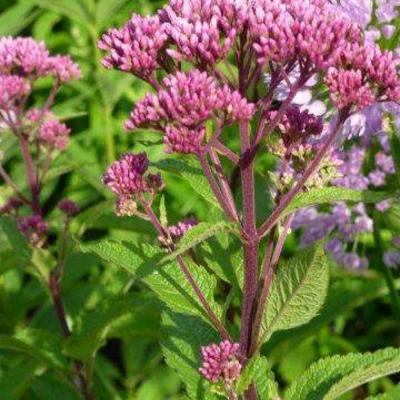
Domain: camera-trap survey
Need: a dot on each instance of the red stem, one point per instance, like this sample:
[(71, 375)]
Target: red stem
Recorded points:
[(251, 242)]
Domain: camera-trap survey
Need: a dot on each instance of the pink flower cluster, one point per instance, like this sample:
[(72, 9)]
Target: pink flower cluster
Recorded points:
[(134, 48), (126, 177), (178, 230), (54, 135), (186, 101), (311, 30), (297, 126), (13, 90), (27, 58), (220, 362), (203, 31)]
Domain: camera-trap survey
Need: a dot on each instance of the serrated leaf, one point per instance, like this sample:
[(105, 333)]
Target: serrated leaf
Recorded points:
[(344, 295), (298, 292), (200, 233), (330, 195), (246, 376), (264, 379), (358, 378), (167, 281), (318, 380), (183, 337), (190, 171), (224, 258)]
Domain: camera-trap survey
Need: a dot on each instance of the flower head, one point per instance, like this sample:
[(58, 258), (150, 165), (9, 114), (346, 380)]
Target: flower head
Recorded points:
[(63, 68), (220, 362), (13, 89), (11, 205), (68, 207), (202, 30), (189, 99), (54, 134), (134, 47)]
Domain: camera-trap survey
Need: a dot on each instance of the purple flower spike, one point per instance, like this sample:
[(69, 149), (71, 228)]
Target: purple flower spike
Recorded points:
[(220, 362)]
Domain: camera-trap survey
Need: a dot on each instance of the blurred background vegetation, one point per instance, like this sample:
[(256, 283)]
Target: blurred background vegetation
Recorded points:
[(115, 317)]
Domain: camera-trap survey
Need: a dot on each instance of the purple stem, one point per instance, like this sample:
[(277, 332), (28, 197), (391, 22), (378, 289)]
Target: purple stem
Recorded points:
[(31, 174), (225, 187), (215, 187), (251, 242), (181, 262), (312, 168)]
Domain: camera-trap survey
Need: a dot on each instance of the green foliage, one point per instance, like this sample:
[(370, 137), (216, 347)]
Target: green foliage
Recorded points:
[(297, 293), (332, 376), (166, 280), (329, 195), (182, 338)]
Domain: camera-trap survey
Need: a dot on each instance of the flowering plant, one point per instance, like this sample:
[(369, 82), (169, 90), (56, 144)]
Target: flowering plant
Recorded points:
[(207, 63), (281, 118)]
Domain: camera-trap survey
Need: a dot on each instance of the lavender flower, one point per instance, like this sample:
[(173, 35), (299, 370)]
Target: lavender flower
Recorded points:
[(391, 258), (220, 362)]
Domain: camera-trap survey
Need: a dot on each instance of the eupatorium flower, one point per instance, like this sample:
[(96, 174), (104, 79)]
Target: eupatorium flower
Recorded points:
[(54, 135), (134, 47), (68, 207), (220, 362), (13, 89), (203, 31), (28, 58), (189, 99)]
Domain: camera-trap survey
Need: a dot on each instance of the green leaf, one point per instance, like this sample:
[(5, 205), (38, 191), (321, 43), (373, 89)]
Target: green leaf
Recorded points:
[(298, 292), (324, 375), (38, 344), (183, 337), (330, 195), (106, 8), (167, 281), (225, 258), (16, 239), (17, 17), (190, 171), (264, 379), (199, 234), (258, 370), (95, 326), (70, 9), (358, 378), (345, 294), (391, 394)]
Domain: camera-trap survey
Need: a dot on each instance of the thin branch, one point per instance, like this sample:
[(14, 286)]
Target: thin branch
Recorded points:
[(184, 268), (312, 168), (7, 179)]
